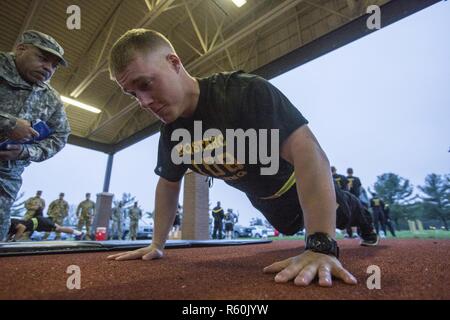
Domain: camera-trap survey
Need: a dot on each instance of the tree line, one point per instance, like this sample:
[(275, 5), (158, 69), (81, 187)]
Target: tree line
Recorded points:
[(431, 205)]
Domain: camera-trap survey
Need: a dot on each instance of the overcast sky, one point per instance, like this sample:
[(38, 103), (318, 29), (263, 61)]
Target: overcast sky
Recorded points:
[(380, 104)]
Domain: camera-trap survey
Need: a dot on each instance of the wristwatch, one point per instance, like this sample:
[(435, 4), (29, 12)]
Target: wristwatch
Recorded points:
[(322, 243)]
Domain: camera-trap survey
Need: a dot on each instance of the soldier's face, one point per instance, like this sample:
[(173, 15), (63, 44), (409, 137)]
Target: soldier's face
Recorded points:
[(35, 65), (154, 79)]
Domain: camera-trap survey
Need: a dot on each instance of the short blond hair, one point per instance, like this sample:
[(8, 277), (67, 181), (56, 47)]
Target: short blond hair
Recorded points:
[(135, 40)]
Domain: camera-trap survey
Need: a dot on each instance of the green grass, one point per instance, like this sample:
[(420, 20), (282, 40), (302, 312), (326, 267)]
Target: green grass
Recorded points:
[(426, 234)]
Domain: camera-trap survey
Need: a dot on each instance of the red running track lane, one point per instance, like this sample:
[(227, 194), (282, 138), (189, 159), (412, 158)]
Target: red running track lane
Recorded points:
[(410, 269)]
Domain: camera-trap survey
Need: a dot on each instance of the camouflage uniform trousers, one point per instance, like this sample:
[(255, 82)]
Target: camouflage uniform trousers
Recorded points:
[(59, 221), (116, 229), (85, 220), (133, 229), (5, 206)]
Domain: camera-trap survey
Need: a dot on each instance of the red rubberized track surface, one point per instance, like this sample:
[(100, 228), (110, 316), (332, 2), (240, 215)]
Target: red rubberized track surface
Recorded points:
[(410, 269)]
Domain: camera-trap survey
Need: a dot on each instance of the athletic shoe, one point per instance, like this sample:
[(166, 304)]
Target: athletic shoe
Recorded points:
[(80, 236), (370, 239)]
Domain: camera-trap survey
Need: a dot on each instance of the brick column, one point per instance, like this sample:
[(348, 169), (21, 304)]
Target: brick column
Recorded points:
[(103, 207), (195, 224)]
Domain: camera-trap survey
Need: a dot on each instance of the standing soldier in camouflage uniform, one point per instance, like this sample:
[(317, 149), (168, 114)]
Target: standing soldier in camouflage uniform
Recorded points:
[(135, 214), (33, 204), (85, 212), (25, 97), (117, 219), (57, 211)]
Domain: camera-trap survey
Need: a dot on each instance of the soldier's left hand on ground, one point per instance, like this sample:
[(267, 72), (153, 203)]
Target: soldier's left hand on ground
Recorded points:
[(147, 253), (12, 153), (304, 268)]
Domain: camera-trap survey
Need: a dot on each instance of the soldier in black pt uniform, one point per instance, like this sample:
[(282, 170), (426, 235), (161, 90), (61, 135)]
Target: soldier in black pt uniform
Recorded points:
[(293, 190)]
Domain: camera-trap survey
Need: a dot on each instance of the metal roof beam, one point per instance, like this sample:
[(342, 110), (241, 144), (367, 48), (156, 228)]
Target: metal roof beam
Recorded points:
[(113, 12), (89, 144), (248, 30), (28, 20), (149, 18), (332, 11), (138, 136), (392, 11)]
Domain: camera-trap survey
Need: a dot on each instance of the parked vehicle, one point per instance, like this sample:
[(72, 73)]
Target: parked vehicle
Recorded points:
[(262, 231), (145, 229), (242, 231)]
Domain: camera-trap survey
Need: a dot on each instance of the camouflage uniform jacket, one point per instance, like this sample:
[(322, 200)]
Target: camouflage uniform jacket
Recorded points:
[(135, 214), (58, 209), (19, 99), (31, 205), (87, 208), (117, 214)]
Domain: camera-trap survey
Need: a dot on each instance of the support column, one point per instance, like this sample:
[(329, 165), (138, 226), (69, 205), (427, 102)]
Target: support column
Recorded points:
[(103, 209), (108, 172), (195, 224), (103, 205)]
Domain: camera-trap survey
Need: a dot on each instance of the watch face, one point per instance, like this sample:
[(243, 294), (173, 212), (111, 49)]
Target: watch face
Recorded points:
[(321, 245)]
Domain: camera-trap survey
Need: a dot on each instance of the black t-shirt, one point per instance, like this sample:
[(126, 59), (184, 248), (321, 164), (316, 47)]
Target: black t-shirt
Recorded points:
[(377, 203), (218, 213), (340, 181), (234, 100), (354, 185)]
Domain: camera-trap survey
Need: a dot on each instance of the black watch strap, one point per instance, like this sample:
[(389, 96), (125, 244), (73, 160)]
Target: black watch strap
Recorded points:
[(322, 243)]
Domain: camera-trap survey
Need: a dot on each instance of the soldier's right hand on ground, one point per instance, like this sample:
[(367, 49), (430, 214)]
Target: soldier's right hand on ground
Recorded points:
[(147, 253), (22, 131), (304, 268)]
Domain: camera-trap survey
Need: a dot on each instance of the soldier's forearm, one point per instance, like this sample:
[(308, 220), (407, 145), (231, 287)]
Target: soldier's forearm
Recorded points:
[(165, 209), (45, 149)]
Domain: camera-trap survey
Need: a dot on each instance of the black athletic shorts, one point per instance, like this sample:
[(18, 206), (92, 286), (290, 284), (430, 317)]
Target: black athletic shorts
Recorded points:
[(228, 227), (44, 224), (286, 215)]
